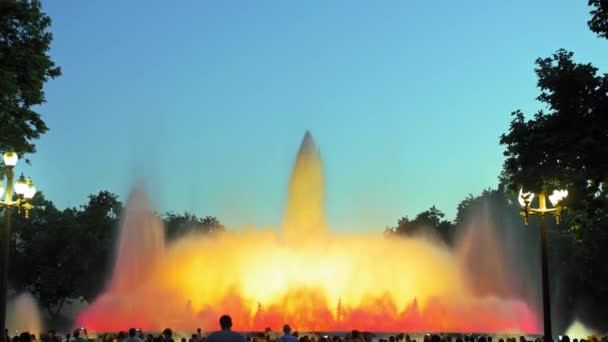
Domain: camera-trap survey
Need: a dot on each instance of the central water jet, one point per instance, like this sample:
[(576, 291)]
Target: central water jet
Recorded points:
[(305, 211)]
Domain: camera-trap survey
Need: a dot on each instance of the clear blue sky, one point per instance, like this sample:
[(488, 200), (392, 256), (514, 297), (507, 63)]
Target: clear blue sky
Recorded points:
[(207, 101)]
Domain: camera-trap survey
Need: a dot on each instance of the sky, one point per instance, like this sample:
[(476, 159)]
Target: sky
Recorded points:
[(206, 101)]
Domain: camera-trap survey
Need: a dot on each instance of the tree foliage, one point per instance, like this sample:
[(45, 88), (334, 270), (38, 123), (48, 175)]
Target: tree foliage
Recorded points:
[(24, 68), (599, 17), (429, 222), (177, 225), (565, 145), (63, 255)]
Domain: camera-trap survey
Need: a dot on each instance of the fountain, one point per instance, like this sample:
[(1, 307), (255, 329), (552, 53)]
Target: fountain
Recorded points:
[(303, 273), (24, 315)]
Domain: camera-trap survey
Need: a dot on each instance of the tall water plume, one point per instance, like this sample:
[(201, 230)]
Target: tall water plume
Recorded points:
[(305, 209)]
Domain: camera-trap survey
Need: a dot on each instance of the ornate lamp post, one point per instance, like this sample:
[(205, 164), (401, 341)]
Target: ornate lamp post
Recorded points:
[(24, 190), (525, 199)]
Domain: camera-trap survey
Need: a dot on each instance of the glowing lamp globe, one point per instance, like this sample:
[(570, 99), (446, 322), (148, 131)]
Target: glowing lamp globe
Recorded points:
[(10, 158), (31, 189), (21, 186), (557, 196), (525, 197)]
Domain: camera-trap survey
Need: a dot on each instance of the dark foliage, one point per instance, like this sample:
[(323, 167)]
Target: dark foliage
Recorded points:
[(24, 68)]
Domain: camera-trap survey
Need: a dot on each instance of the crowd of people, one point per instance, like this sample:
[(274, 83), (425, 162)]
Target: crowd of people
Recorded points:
[(225, 334)]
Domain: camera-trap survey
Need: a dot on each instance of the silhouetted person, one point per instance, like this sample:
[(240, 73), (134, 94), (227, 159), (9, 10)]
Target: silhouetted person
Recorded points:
[(78, 335), (435, 338), (565, 338), (168, 334), (133, 336), (287, 336), (225, 334)]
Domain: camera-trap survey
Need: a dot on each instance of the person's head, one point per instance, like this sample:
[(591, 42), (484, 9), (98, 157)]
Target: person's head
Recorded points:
[(25, 337), (183, 339), (167, 333), (391, 338), (132, 332), (482, 339), (565, 338), (198, 331), (287, 329), (225, 322), (435, 338)]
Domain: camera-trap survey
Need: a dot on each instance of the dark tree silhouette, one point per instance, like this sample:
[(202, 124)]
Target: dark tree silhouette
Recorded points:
[(177, 225), (599, 17), (24, 68), (565, 146), (429, 222)]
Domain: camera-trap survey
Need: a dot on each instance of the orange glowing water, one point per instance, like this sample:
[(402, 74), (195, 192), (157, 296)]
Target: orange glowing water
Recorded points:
[(303, 274)]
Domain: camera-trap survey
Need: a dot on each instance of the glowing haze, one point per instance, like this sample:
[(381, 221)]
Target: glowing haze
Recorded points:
[(302, 274)]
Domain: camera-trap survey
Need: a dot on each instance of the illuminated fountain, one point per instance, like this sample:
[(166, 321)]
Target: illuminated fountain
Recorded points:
[(303, 274)]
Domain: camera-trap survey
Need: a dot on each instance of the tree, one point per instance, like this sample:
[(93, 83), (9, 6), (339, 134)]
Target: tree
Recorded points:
[(24, 68), (97, 231), (45, 255), (177, 225), (427, 222), (599, 17), (64, 255), (564, 146)]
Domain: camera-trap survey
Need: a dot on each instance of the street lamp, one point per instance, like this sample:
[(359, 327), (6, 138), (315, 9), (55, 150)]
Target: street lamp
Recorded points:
[(525, 199), (24, 190)]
